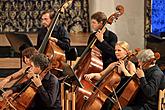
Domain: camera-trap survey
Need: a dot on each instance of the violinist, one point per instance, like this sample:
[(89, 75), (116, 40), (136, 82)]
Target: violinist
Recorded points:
[(47, 96), (126, 67), (26, 54), (106, 39), (151, 81), (59, 34)]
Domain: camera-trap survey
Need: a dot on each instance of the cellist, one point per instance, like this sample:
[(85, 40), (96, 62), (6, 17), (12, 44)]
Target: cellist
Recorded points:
[(106, 39), (125, 67), (26, 54), (47, 96), (151, 80)]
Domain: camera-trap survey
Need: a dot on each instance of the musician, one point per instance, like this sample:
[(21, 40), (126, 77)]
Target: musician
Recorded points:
[(151, 80), (26, 54), (59, 34), (121, 51), (106, 39), (47, 96), (127, 68)]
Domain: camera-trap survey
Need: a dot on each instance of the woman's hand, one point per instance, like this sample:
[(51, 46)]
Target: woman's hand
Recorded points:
[(90, 76), (121, 65)]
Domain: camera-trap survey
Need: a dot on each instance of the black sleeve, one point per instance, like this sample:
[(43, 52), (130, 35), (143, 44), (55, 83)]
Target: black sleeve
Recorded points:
[(49, 95), (108, 45), (62, 35), (150, 86)]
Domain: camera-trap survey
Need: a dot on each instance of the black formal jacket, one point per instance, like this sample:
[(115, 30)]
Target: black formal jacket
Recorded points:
[(107, 47), (59, 32), (149, 88), (47, 96)]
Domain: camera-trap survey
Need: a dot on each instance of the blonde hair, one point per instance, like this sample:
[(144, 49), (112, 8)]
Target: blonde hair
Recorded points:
[(145, 55), (123, 44)]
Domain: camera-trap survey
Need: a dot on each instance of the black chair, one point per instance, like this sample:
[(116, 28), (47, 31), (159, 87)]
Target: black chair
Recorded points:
[(71, 55)]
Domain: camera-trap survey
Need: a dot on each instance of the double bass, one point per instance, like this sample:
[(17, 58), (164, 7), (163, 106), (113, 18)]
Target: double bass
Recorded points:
[(104, 88), (90, 59), (17, 101), (131, 87), (83, 68)]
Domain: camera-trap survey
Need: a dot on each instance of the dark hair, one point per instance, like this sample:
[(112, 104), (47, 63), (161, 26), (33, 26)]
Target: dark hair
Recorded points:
[(29, 52), (51, 13), (99, 16), (40, 60)]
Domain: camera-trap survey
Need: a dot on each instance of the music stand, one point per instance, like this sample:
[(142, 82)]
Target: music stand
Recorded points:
[(71, 77), (19, 42)]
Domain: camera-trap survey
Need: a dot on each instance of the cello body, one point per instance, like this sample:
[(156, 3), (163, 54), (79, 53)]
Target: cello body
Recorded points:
[(22, 100), (20, 103), (100, 94), (128, 94)]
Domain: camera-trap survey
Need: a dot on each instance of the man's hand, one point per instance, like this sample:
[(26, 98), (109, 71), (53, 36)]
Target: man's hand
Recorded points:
[(36, 80), (53, 39), (139, 73), (99, 34), (4, 81)]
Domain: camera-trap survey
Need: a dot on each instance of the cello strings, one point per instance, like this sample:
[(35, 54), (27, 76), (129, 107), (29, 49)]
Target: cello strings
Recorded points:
[(111, 99), (117, 100)]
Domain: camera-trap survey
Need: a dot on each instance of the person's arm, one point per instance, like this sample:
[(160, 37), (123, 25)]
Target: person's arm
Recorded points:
[(61, 37), (49, 95), (107, 46), (150, 86), (128, 70), (13, 76), (97, 76)]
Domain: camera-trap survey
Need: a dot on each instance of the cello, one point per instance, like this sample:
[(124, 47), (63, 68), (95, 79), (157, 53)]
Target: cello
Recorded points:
[(55, 55), (104, 88), (131, 87), (17, 100)]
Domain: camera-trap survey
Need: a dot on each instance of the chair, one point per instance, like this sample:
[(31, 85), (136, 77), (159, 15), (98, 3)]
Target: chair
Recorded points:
[(161, 101), (67, 98), (71, 55)]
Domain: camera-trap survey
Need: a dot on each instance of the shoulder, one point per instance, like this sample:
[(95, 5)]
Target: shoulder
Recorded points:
[(59, 27), (53, 77), (131, 64), (110, 35), (131, 67), (156, 71)]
